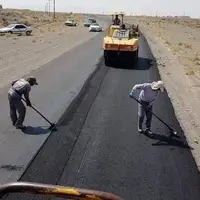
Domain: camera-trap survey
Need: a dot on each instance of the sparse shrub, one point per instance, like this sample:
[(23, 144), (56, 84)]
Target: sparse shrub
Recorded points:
[(24, 22), (166, 42), (189, 71), (196, 58), (188, 46), (4, 22)]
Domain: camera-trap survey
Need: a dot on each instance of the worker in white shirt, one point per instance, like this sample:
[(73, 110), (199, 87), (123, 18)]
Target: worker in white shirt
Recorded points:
[(149, 93), (20, 87)]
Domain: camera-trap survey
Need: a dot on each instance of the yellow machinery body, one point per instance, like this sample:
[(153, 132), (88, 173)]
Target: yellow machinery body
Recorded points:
[(121, 42)]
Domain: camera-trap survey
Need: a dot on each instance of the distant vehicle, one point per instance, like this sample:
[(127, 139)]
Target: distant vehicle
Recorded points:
[(89, 22), (16, 28), (70, 22), (95, 27)]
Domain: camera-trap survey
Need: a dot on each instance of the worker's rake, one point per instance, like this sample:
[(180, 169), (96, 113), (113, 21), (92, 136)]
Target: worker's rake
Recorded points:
[(52, 125), (173, 133)]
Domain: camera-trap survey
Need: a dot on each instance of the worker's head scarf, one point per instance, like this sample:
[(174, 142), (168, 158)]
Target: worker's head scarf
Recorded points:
[(158, 85)]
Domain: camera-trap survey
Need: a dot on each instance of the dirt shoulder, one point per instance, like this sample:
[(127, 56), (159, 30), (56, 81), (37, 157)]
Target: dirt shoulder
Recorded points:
[(175, 44), (21, 54)]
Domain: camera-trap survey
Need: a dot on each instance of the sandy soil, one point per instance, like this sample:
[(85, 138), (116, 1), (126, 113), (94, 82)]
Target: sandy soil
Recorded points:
[(21, 54), (175, 44), (181, 37), (31, 18)]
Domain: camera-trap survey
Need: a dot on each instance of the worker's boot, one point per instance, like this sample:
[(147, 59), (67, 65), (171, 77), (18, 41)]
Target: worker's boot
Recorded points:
[(140, 130), (20, 126), (148, 131)]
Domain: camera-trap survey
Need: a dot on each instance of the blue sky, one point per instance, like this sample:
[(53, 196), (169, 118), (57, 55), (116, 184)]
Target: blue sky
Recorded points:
[(146, 7)]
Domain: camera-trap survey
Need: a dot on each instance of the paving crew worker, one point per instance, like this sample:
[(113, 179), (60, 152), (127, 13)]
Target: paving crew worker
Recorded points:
[(20, 87), (149, 93), (116, 21)]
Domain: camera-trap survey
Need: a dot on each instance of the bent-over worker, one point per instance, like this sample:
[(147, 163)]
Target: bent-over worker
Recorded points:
[(20, 87), (149, 93)]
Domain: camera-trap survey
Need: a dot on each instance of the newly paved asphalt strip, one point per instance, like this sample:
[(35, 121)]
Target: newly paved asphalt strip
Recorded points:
[(97, 145)]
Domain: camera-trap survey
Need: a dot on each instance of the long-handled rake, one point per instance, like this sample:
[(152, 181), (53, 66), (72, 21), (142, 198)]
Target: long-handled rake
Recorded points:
[(172, 131), (53, 125)]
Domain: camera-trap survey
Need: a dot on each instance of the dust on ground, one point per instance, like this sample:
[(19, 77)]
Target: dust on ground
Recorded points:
[(20, 54), (175, 43)]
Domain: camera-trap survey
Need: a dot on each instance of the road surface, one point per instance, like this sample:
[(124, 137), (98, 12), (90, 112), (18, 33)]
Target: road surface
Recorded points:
[(97, 145), (59, 82)]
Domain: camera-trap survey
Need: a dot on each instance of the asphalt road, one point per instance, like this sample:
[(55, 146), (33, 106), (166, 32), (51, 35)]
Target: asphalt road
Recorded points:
[(97, 145), (59, 82)]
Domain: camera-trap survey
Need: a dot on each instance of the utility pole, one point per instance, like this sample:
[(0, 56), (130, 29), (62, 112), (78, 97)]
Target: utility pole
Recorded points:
[(54, 9), (49, 7), (46, 8)]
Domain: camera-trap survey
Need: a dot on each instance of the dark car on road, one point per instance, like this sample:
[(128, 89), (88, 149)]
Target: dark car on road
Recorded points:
[(90, 21)]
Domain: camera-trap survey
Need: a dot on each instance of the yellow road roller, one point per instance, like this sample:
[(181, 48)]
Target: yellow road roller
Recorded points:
[(121, 42)]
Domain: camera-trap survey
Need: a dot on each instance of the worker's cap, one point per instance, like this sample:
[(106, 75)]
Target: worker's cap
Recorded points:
[(158, 85), (32, 79)]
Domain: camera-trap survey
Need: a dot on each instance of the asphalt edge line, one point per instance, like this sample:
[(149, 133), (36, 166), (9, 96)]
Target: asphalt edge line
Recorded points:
[(79, 96), (86, 116), (67, 112), (82, 91)]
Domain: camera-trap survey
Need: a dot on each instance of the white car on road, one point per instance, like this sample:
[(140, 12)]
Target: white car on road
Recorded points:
[(16, 28), (95, 27), (70, 22)]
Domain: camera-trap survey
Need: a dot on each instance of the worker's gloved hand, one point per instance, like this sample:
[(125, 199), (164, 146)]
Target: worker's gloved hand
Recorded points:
[(149, 106), (28, 103), (131, 94)]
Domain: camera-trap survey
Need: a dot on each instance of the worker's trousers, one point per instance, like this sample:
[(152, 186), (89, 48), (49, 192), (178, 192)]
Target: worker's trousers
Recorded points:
[(16, 106), (141, 114)]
